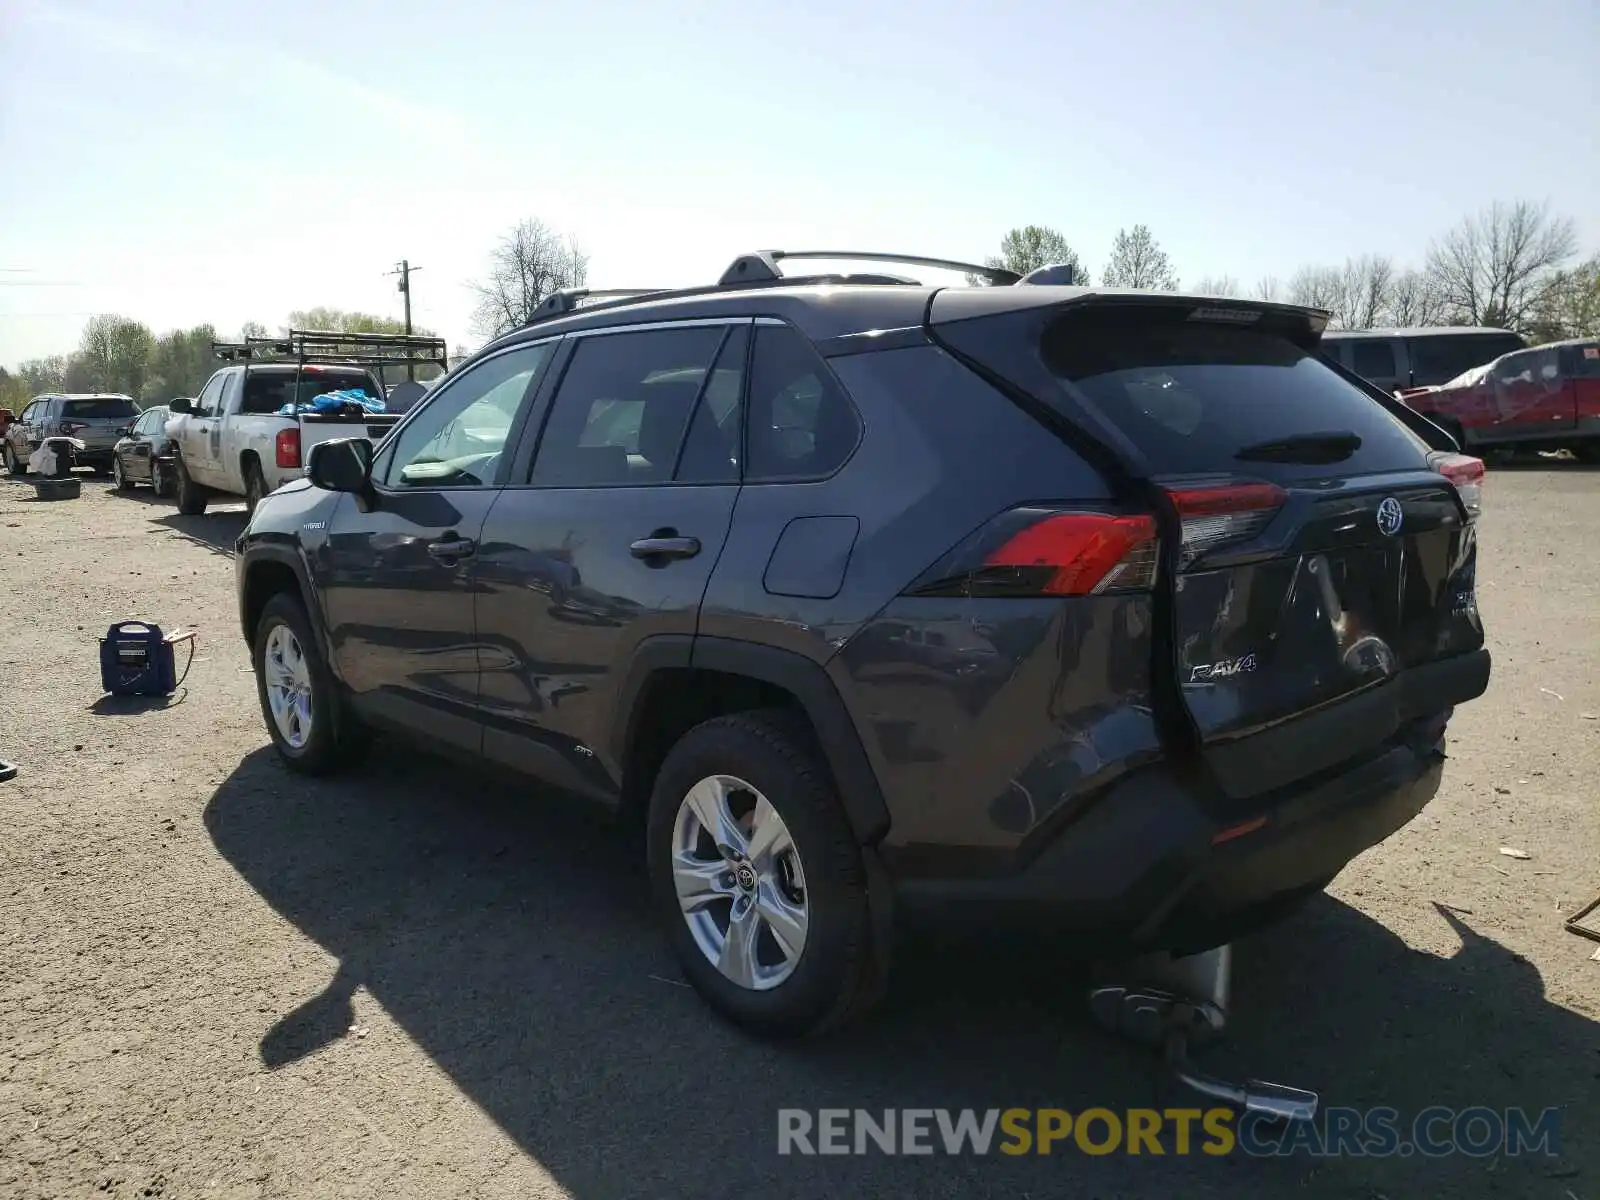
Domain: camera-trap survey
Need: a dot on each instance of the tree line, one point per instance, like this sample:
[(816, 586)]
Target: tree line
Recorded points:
[(1510, 266), (118, 354)]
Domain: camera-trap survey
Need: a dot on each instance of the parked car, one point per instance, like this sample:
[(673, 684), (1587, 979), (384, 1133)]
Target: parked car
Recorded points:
[(1394, 359), (1113, 612), (1546, 398), (232, 439), (146, 454), (97, 421)]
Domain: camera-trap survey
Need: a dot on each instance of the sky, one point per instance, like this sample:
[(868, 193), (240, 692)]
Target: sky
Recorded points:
[(180, 163)]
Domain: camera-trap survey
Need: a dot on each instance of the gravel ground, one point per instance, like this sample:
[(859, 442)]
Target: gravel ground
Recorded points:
[(220, 980)]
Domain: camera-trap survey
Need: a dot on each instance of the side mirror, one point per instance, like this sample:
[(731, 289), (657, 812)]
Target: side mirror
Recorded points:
[(182, 405), (341, 465)]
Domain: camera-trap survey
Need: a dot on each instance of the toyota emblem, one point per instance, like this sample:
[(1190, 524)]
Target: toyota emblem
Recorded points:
[(1390, 515)]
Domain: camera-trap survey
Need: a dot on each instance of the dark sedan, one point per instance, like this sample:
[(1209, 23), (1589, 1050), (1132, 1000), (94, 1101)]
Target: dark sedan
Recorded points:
[(145, 454)]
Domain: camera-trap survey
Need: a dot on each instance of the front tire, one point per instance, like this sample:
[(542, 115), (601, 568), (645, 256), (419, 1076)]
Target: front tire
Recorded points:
[(757, 875), (160, 484), (310, 724), (119, 477), (14, 464), (192, 497)]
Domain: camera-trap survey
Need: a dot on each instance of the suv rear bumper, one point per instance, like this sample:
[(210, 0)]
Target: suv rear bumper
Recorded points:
[(1150, 865)]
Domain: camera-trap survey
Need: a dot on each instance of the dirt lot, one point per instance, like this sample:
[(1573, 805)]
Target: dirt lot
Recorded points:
[(188, 934)]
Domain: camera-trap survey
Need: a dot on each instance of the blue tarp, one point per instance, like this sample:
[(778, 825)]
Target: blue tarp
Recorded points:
[(329, 401)]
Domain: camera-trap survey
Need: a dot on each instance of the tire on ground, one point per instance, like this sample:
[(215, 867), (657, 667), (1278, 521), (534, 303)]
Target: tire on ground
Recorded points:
[(337, 738), (769, 749), (192, 498)]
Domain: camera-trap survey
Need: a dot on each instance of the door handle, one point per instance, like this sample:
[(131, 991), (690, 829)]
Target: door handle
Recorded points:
[(452, 548), (665, 547)]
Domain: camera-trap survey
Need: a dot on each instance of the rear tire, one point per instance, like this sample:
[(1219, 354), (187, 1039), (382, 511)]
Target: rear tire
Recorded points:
[(1586, 452), (758, 757), (255, 487), (15, 465), (192, 498), (320, 735)]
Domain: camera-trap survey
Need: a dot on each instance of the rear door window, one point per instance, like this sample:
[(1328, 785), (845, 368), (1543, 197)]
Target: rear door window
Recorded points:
[(623, 407), (1199, 398)]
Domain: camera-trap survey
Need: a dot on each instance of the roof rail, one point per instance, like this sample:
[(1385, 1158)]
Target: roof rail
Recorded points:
[(563, 301), (762, 266)]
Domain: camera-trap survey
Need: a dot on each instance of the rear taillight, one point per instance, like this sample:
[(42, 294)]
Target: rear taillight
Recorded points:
[(287, 448), (1466, 473), (1221, 514), (1037, 551)]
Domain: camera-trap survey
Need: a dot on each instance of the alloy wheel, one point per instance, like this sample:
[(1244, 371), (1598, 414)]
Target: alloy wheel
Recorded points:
[(288, 683), (740, 883)]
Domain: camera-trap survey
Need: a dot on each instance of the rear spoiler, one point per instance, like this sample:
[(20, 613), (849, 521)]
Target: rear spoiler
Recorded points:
[(1303, 326)]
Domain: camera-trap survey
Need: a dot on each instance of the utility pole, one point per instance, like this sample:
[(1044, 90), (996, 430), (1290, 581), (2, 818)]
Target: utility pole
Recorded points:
[(404, 269)]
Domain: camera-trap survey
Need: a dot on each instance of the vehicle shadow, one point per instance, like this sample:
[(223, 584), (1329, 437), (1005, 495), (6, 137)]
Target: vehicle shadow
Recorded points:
[(509, 935), (214, 531)]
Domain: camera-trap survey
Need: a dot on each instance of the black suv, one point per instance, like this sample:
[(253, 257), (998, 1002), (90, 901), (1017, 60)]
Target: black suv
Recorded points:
[(1118, 613)]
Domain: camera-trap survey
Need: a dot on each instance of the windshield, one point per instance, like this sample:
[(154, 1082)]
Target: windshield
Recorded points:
[(101, 408)]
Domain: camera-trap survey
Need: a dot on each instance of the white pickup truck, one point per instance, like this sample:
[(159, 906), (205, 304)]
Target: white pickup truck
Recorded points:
[(233, 440), (248, 432)]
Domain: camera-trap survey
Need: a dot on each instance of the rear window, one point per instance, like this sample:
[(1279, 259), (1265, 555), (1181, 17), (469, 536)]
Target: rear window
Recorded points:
[(1441, 357), (267, 392), (1193, 396), (103, 408)]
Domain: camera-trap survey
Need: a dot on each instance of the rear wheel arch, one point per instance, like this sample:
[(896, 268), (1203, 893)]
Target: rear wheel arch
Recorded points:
[(675, 682)]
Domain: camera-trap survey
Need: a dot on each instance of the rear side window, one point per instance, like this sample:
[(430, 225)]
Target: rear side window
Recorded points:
[(1199, 398), (101, 408), (1439, 358), (1373, 360), (802, 425)]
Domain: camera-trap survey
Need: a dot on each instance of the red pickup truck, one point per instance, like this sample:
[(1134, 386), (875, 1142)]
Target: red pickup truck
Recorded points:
[(1543, 398)]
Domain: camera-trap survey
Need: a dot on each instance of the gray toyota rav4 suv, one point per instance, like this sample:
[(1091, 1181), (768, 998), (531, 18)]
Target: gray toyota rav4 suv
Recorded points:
[(1119, 614)]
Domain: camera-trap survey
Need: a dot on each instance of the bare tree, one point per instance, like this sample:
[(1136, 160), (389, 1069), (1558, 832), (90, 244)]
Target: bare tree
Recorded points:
[(1033, 246), (1268, 288), (1361, 291), (1138, 261), (1315, 287), (1494, 268), (530, 263), (1414, 301), (1218, 285), (113, 356)]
